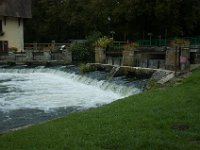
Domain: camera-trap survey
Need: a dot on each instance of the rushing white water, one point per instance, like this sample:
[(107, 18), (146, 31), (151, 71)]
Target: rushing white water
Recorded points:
[(48, 89)]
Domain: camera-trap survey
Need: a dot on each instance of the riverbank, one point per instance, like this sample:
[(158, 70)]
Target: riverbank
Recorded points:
[(166, 118)]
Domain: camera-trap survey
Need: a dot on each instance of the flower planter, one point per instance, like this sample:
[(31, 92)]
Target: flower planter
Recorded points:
[(100, 55)]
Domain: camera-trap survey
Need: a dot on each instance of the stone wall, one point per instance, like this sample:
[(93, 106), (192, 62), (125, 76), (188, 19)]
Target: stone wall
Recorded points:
[(148, 60), (114, 60), (66, 56), (128, 58), (37, 56), (177, 59)]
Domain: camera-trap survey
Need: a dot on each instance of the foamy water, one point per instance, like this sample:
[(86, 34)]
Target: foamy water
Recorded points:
[(48, 89), (32, 95)]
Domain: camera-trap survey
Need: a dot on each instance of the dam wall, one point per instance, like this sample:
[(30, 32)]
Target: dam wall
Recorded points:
[(159, 76), (62, 57)]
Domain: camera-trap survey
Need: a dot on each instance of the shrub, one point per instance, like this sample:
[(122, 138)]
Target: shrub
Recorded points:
[(151, 84), (85, 52), (79, 52), (92, 38), (103, 42), (130, 46), (86, 68)]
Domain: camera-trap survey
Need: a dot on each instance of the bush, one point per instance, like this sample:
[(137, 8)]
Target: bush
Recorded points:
[(130, 46), (79, 52), (85, 52), (86, 68), (179, 42), (92, 38), (103, 42)]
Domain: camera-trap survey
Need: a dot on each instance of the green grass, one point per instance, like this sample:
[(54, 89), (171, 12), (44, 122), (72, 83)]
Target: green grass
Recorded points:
[(159, 119)]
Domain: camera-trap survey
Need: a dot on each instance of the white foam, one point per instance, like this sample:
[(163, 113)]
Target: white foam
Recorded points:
[(47, 89)]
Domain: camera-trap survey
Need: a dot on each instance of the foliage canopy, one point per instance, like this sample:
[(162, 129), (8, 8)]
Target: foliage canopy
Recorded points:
[(61, 20)]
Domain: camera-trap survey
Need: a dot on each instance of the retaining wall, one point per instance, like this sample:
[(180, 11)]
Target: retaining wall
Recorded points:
[(36, 57)]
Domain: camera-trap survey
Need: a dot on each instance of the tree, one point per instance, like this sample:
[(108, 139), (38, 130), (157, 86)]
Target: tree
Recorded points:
[(130, 19)]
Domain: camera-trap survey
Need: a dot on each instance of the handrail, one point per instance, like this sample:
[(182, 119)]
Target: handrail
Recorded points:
[(116, 46), (165, 42), (43, 46)]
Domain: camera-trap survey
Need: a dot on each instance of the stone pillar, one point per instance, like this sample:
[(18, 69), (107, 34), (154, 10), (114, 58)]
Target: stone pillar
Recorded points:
[(128, 58), (172, 60), (100, 55)]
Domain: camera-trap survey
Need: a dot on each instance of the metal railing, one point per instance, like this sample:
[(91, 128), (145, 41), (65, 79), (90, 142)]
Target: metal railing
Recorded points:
[(43, 46), (117, 46), (165, 42)]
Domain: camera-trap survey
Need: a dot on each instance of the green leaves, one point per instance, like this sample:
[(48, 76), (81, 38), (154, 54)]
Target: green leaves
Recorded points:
[(130, 19), (85, 51), (103, 42)]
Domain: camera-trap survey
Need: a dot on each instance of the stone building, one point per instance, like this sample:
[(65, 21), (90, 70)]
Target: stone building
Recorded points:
[(12, 16)]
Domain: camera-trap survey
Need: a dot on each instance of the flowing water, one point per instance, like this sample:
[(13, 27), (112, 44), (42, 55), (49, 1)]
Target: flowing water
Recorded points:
[(32, 95)]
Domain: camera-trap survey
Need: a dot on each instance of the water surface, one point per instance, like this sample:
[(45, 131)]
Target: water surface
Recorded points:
[(31, 95)]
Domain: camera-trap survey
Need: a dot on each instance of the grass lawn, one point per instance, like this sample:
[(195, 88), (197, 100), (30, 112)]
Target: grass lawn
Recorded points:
[(166, 118)]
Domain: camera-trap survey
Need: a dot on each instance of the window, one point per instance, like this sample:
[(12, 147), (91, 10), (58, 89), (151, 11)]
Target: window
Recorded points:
[(1, 28)]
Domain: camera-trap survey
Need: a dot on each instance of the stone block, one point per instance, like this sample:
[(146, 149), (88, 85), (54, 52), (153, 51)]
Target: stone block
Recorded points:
[(172, 59), (128, 58), (100, 55)]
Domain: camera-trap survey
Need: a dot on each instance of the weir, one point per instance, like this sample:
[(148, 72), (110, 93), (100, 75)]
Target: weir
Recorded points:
[(31, 95), (160, 76)]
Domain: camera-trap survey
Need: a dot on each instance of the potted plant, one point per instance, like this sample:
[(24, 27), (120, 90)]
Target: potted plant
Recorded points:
[(179, 43), (128, 54), (103, 42), (100, 47), (130, 46)]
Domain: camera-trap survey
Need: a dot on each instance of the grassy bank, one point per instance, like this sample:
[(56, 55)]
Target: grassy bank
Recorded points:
[(159, 119)]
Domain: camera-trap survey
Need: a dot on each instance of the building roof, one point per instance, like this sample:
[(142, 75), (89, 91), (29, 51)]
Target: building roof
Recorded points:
[(15, 8)]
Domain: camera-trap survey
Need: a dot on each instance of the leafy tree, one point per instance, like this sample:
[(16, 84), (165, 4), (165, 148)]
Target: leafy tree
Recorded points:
[(84, 51), (61, 20)]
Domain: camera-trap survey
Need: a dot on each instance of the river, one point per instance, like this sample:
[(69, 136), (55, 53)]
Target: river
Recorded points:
[(31, 95)]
